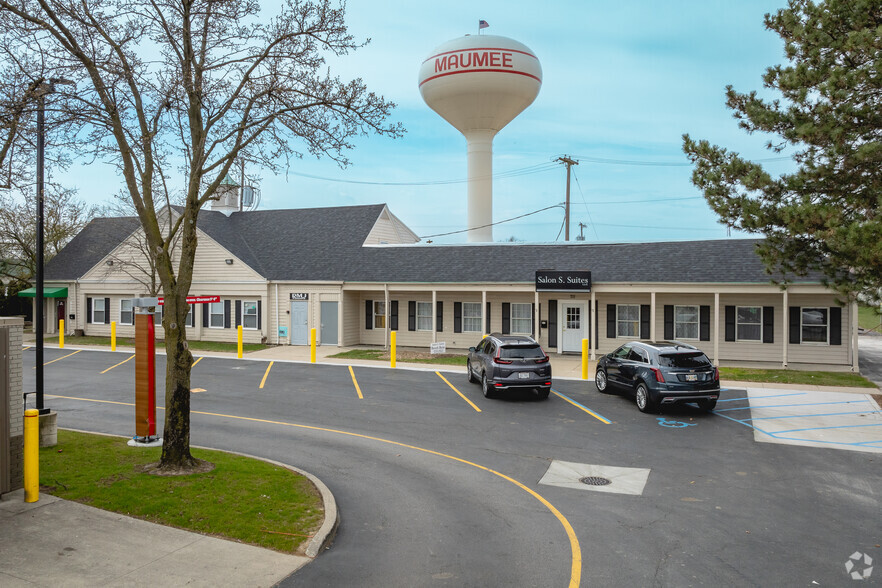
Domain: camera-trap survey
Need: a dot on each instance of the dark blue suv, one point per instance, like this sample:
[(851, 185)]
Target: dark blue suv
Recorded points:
[(502, 362), (660, 373)]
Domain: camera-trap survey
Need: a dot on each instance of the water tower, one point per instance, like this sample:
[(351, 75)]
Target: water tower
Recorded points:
[(479, 83)]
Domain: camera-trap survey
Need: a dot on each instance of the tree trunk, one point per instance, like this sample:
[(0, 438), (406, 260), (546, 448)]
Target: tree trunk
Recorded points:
[(176, 434)]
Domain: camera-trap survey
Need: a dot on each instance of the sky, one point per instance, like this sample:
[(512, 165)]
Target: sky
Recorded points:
[(622, 82)]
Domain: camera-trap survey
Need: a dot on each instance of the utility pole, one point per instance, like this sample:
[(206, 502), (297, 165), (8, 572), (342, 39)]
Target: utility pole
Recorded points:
[(566, 160)]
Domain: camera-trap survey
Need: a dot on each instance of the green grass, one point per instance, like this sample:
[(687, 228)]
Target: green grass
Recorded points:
[(130, 342), (868, 318), (241, 499), (380, 355), (795, 377)]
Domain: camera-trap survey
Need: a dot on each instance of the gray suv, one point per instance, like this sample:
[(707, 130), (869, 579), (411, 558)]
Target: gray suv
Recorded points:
[(502, 362), (660, 373)]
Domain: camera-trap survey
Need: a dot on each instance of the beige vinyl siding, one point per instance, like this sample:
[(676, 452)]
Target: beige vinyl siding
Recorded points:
[(820, 354), (317, 293), (352, 320), (753, 351), (389, 229)]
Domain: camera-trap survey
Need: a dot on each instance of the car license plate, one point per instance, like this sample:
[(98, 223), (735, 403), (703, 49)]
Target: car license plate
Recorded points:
[(524, 375), (691, 377)]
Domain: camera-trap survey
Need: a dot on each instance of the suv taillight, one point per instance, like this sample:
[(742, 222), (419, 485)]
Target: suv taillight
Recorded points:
[(716, 374), (542, 360), (498, 359), (659, 377)]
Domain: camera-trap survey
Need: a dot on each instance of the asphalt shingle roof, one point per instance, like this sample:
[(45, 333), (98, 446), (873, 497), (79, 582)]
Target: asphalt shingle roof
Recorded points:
[(325, 244)]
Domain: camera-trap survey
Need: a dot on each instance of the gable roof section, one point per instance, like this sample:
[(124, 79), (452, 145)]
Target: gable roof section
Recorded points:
[(89, 246)]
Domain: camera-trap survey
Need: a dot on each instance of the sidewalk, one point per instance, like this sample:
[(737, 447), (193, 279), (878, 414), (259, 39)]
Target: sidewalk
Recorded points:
[(55, 542)]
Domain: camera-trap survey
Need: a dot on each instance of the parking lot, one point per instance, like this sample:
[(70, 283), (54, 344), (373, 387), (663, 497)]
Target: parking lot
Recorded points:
[(438, 485)]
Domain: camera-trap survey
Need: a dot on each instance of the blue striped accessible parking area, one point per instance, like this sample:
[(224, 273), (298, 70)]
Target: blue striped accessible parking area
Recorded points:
[(834, 420)]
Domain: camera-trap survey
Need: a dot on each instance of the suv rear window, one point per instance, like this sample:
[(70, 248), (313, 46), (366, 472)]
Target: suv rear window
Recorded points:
[(684, 360), (521, 352)]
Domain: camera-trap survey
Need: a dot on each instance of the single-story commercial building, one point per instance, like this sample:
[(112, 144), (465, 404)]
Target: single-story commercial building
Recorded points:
[(355, 273)]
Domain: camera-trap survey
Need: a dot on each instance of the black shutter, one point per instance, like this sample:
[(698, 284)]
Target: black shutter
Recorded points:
[(89, 311), (411, 315), (704, 323), (259, 314), (835, 325), (238, 313), (457, 317), (205, 314), (107, 311), (439, 316), (596, 329), (533, 320), (669, 321), (506, 318), (795, 325), (645, 313), (768, 324), (393, 316), (610, 321), (730, 323), (226, 314), (368, 314), (487, 319), (552, 323)]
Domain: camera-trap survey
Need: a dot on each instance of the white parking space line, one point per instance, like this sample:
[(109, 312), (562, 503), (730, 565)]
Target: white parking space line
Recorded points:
[(815, 419)]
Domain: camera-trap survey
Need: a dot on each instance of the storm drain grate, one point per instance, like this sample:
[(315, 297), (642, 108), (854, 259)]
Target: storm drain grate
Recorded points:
[(595, 481)]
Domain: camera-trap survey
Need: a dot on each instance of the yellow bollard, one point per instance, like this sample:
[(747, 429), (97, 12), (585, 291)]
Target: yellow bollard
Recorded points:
[(312, 346), (239, 337), (113, 335), (584, 359), (61, 333), (32, 455), (392, 345)]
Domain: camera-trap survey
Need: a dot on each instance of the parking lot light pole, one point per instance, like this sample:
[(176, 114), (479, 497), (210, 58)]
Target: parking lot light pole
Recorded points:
[(42, 90)]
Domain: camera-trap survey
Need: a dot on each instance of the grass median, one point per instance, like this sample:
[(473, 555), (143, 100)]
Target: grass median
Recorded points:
[(846, 379), (404, 356), (242, 499)]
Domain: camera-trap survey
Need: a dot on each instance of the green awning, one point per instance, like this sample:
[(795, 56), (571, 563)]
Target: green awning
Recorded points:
[(47, 293)]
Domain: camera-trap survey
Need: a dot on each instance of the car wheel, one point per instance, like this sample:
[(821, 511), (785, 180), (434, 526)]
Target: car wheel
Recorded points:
[(472, 379), (485, 386), (643, 398), (707, 403), (600, 381)]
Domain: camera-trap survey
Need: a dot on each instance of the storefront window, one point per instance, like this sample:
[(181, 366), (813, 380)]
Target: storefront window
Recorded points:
[(99, 315), (126, 314), (686, 322), (814, 325), (521, 318), (628, 320), (749, 323), (216, 315), (424, 316), (249, 315), (471, 317), (379, 314)]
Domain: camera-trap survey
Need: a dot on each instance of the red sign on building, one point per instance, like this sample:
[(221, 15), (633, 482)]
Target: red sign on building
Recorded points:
[(198, 299)]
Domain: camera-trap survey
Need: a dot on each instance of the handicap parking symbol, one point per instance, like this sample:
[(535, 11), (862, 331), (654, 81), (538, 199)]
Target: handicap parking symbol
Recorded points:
[(674, 424)]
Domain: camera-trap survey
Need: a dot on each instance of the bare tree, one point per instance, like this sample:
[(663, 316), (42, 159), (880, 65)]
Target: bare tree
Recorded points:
[(65, 216), (175, 91)]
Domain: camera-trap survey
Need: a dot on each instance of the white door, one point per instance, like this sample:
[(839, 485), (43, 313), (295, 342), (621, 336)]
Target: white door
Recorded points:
[(300, 322), (572, 326)]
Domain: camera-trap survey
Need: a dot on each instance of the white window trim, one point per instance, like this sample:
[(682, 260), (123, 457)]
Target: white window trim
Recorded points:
[(528, 318), (697, 322), (255, 327), (221, 314), (191, 315), (761, 335), (428, 304), (637, 336), (103, 310), (826, 326), (131, 311), (480, 317)]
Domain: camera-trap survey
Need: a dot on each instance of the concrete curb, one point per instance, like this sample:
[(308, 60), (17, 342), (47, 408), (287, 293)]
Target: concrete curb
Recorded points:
[(328, 530)]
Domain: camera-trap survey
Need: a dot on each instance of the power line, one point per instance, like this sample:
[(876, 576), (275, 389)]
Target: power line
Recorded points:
[(533, 169), (492, 224), (606, 161)]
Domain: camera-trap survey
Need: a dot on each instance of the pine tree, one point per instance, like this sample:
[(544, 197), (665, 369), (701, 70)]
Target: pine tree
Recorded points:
[(823, 217)]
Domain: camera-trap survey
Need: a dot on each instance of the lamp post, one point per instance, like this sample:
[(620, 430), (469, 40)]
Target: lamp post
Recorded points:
[(47, 87)]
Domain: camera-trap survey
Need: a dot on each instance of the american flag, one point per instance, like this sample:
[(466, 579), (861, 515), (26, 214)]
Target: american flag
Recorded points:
[(483, 24)]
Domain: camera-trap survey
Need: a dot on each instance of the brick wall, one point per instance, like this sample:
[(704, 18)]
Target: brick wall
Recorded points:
[(16, 402)]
